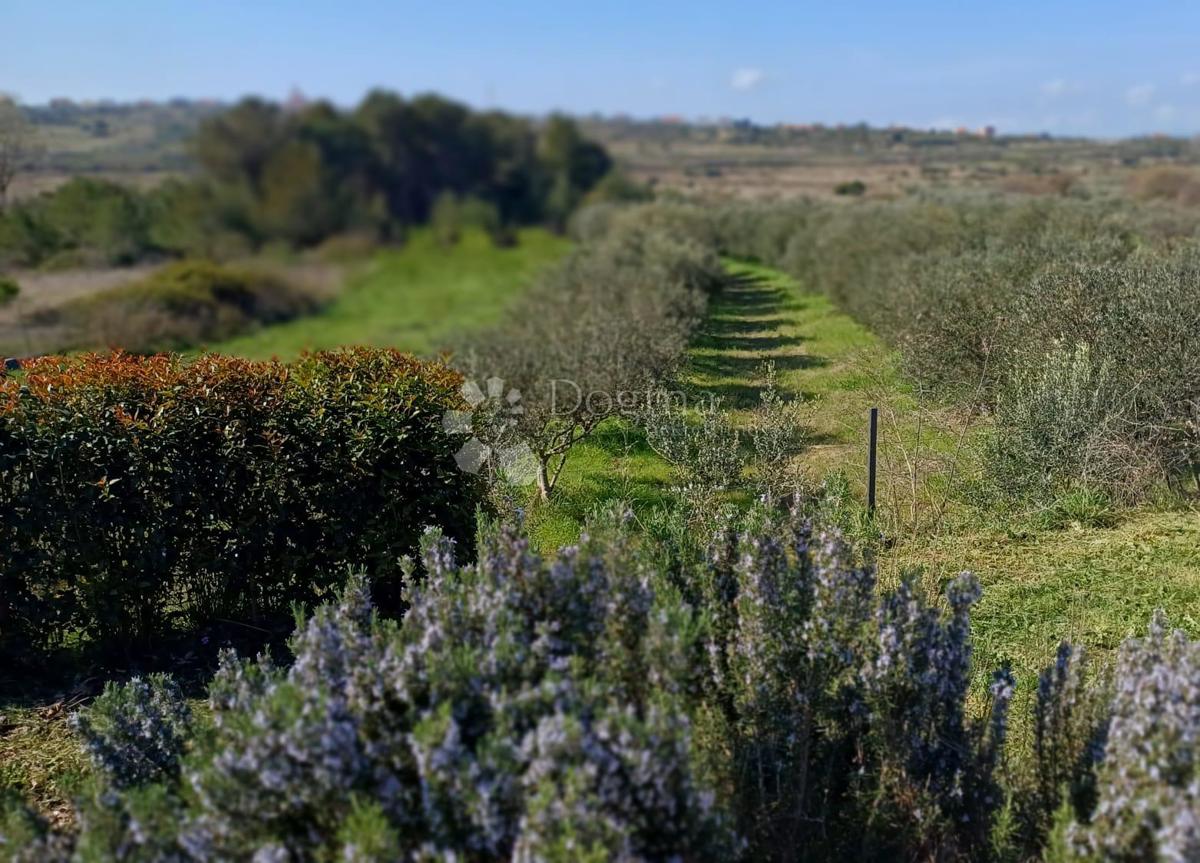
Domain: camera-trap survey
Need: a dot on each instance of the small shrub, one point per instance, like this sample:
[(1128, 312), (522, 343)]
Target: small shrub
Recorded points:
[(704, 447), (186, 304), (1069, 723), (777, 435), (852, 188), (839, 717), (1054, 422), (135, 733), (9, 289)]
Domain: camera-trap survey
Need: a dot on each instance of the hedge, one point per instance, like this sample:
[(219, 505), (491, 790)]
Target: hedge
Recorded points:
[(151, 497)]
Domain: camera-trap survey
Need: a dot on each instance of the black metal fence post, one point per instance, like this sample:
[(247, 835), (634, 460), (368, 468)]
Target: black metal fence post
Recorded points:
[(871, 461)]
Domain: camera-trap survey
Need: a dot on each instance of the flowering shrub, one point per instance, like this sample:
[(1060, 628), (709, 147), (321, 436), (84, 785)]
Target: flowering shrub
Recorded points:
[(143, 497), (936, 767), (523, 708), (846, 712), (135, 733), (1148, 784), (790, 619), (578, 709)]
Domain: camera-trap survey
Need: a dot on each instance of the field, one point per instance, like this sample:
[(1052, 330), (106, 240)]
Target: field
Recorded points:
[(670, 621), (416, 298)]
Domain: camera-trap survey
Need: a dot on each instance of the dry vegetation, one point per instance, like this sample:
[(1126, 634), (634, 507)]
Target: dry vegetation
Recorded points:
[(1166, 183), (105, 307)]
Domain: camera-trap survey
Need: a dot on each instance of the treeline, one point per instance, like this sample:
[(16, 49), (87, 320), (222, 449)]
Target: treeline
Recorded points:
[(267, 175)]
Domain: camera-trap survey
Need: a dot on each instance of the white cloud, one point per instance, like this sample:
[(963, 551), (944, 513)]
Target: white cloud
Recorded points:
[(1139, 95), (746, 79), (1164, 113), (1189, 79)]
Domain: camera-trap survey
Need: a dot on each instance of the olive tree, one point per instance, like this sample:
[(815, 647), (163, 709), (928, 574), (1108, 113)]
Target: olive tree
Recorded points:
[(594, 335)]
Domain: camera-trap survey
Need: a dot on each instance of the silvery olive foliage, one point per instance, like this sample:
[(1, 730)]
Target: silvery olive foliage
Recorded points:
[(702, 446), (1057, 417), (777, 435), (595, 333), (580, 708), (971, 290)]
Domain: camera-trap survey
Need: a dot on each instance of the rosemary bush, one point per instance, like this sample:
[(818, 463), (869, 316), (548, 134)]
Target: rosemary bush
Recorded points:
[(769, 703)]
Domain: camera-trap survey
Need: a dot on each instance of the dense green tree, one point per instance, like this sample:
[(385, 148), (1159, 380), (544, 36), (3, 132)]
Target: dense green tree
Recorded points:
[(574, 163), (235, 146), (97, 218)]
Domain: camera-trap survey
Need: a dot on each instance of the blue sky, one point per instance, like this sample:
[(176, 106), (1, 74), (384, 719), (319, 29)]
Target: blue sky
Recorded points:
[(1098, 68)]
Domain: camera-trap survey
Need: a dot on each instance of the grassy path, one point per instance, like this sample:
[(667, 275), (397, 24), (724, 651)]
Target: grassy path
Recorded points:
[(417, 298), (818, 352), (760, 316), (1093, 585)]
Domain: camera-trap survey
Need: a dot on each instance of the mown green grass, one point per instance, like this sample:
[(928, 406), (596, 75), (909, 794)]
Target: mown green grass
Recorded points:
[(417, 298), (40, 760), (1092, 585), (614, 464)]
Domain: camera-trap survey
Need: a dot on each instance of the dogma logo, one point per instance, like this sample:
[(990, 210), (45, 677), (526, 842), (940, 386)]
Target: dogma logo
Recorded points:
[(491, 424)]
